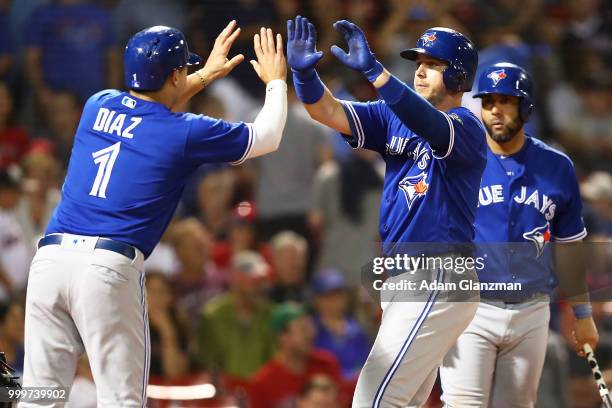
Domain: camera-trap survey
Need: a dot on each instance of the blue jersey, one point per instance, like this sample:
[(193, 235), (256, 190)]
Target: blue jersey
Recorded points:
[(429, 196), (527, 199), (129, 163)]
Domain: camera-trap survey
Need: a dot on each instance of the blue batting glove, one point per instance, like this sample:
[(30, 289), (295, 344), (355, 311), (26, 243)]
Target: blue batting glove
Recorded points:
[(302, 54), (359, 57)]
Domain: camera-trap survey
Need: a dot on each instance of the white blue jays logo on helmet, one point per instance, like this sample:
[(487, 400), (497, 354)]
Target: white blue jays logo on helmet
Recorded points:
[(428, 38), (414, 187), (497, 76), (540, 236)]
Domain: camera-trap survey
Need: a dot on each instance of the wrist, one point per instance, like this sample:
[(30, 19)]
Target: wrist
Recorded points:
[(374, 72), (304, 75), (582, 310), (309, 89), (204, 77), (276, 83)]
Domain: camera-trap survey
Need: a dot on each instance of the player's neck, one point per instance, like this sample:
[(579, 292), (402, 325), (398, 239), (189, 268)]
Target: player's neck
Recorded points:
[(507, 148), (156, 96), (452, 101)]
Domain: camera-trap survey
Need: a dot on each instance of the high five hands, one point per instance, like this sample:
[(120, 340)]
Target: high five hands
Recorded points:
[(270, 63), (303, 56)]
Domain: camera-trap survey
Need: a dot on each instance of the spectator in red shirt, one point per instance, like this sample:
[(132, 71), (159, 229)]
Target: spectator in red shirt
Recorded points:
[(13, 140), (281, 380)]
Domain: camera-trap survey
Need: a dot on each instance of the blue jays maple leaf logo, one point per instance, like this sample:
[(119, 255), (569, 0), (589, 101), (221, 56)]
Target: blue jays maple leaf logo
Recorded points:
[(428, 38), (414, 187), (540, 236), (497, 76)]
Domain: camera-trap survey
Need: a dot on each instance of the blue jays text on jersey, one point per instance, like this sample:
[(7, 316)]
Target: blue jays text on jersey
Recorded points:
[(527, 200), (428, 196), (129, 163)]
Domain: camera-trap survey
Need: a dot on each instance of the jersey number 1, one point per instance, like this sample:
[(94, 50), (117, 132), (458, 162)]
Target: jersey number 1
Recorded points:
[(105, 159)]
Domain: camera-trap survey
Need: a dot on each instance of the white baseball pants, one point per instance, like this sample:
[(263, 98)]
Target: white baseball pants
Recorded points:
[(497, 362), (412, 340), (81, 299)]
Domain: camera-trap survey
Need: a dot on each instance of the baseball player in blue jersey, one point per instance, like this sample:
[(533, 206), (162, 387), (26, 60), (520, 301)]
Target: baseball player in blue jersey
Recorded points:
[(528, 199), (435, 154), (131, 156)]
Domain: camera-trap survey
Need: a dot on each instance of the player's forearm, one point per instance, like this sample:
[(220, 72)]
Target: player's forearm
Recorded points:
[(318, 100), (414, 111), (328, 111), (270, 122)]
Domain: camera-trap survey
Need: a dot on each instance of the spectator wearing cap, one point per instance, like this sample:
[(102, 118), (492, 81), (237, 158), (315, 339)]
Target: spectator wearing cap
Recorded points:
[(336, 332), (198, 279), (234, 334), (279, 382), (289, 257), (15, 254)]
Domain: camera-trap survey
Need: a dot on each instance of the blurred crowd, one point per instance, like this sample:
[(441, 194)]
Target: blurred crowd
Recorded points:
[(256, 286)]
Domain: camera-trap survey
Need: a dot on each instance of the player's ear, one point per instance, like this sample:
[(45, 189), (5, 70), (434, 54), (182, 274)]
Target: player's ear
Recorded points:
[(175, 77)]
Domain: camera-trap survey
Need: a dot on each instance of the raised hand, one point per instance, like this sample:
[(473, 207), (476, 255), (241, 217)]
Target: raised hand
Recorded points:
[(271, 63), (359, 57), (218, 65), (302, 53)]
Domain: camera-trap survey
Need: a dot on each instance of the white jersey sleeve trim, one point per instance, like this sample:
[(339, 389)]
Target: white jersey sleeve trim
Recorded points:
[(357, 124), (451, 141), (573, 238), (249, 147)]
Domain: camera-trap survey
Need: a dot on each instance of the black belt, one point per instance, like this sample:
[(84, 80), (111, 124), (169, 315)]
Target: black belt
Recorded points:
[(102, 243)]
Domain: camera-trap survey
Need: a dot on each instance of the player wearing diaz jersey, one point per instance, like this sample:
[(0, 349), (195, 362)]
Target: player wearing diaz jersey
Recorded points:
[(529, 198), (131, 156), (435, 154)]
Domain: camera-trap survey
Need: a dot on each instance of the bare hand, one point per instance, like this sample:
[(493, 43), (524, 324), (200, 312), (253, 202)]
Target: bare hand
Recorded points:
[(218, 65), (585, 331), (271, 63)]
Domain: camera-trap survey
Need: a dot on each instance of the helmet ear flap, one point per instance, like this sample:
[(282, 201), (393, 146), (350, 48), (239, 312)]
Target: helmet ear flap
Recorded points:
[(525, 110), (454, 78), (461, 77)]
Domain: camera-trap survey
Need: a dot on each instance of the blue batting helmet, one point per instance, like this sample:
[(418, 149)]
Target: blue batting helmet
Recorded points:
[(453, 48), (508, 79), (152, 54)]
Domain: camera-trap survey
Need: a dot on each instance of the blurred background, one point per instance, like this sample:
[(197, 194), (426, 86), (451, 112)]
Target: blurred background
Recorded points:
[(255, 287)]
